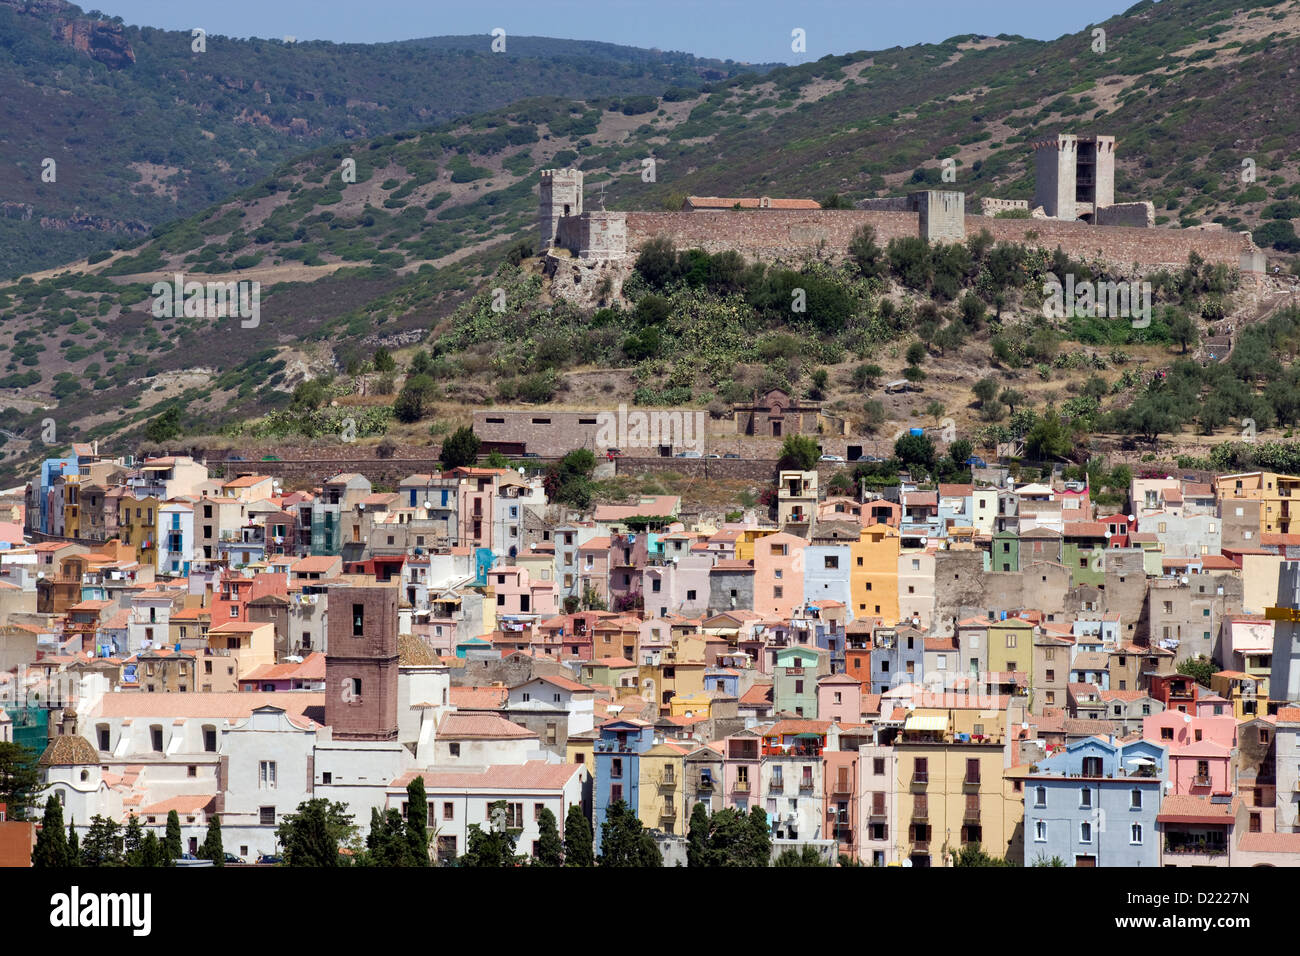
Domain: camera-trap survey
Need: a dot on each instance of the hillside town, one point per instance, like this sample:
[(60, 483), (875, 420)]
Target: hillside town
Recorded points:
[(891, 676)]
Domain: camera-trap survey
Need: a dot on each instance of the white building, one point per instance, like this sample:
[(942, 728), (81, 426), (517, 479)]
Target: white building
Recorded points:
[(459, 800)]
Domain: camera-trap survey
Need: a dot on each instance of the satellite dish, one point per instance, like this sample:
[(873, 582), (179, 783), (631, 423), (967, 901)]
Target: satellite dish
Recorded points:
[(428, 505), (521, 469), (1132, 518), (1107, 535)]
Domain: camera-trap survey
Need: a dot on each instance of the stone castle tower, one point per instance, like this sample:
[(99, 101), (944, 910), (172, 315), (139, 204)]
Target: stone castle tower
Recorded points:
[(361, 662), (561, 195), (1074, 176)]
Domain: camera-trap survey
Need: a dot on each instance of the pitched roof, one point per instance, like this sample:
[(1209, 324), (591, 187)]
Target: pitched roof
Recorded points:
[(481, 726), (231, 705), (188, 803), (478, 698), (532, 775)]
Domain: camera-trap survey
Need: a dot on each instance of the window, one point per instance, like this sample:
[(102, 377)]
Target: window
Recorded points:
[(1085, 832), (358, 620), (878, 766), (210, 739), (193, 771), (1011, 640), (156, 738), (1040, 831), (1135, 834), (266, 816), (454, 749), (921, 770), (448, 810), (1085, 797), (1040, 797), (266, 775), (831, 561), (616, 767), (104, 737), (1135, 799), (972, 770), (327, 778)]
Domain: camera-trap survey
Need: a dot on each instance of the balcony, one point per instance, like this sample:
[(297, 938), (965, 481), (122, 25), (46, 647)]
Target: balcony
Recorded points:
[(970, 784), (920, 781), (706, 784), (668, 812), (776, 785), (668, 781), (921, 812), (741, 786), (842, 787), (806, 783), (1200, 781), (971, 815), (878, 811)]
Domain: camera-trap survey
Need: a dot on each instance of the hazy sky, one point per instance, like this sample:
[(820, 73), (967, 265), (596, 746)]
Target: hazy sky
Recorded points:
[(749, 30)]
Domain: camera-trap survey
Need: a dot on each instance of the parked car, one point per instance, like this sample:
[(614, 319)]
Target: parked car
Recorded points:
[(977, 462), (687, 454), (271, 860), (270, 458), (731, 454), (712, 456), (612, 453), (830, 458), (531, 454), (231, 858)]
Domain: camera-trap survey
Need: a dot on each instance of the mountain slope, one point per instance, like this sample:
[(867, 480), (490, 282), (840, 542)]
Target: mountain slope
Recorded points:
[(143, 128)]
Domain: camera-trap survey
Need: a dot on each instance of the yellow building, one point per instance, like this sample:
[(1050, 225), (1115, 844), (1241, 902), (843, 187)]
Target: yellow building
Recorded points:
[(1273, 491), (249, 644), (952, 794), (873, 573), (1247, 693), (137, 527), (745, 542), (663, 789), (581, 748), (1011, 645), (690, 705)]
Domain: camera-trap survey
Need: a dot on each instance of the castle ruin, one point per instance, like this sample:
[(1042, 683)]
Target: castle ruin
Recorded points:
[(588, 255)]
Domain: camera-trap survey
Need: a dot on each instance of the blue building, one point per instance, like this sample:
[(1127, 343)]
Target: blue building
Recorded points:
[(51, 470), (618, 765), (724, 680), (1095, 804), (897, 657)]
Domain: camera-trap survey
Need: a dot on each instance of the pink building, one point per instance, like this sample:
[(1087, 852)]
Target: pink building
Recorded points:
[(475, 496), (1200, 750), (839, 698), (593, 568), (517, 595), (778, 574), (677, 587), (742, 760)]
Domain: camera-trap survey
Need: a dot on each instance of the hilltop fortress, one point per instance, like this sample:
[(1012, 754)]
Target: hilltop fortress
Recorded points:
[(590, 253)]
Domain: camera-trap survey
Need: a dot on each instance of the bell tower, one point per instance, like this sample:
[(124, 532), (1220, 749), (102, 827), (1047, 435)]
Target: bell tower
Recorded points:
[(361, 662)]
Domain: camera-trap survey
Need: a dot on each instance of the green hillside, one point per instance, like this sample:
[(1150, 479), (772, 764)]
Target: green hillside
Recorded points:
[(144, 129)]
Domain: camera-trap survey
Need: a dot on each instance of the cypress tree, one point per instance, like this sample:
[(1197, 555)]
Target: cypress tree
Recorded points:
[(51, 844), (697, 840), (550, 851), (74, 844), (172, 842), (577, 839), (417, 822), (212, 848)]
